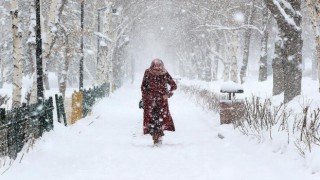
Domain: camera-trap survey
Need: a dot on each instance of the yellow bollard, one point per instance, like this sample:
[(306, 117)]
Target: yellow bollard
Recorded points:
[(76, 114)]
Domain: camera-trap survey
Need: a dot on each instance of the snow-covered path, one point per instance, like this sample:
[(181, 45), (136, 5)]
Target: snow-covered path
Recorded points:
[(109, 145)]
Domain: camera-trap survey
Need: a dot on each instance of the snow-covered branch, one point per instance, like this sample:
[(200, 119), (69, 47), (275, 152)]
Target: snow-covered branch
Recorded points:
[(219, 28)]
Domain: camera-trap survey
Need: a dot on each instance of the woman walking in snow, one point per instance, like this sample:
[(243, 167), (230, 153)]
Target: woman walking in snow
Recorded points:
[(155, 94)]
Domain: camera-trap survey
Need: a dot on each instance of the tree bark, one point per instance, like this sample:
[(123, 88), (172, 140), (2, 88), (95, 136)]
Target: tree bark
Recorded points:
[(216, 61), (102, 75), (207, 64), (39, 63), (112, 33), (278, 68), (263, 65), (17, 55), (289, 25), (64, 65), (1, 73), (55, 11), (132, 68), (233, 58), (31, 51), (314, 8), (247, 36), (81, 49)]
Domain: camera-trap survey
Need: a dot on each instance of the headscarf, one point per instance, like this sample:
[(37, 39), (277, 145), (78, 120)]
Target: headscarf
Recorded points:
[(157, 67)]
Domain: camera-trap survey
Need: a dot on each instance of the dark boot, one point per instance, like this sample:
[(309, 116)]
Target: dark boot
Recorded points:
[(155, 138)]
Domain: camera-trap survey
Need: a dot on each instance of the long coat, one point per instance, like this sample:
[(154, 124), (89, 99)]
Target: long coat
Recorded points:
[(153, 88)]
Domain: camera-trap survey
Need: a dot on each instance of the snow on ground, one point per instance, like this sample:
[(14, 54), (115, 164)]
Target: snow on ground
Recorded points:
[(109, 145)]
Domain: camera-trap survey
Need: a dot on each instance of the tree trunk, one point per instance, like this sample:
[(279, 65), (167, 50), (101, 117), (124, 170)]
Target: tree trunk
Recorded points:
[(293, 72), (247, 36), (132, 68), (39, 63), (318, 58), (112, 33), (216, 61), (55, 11), (314, 9), (207, 64), (17, 55), (1, 73), (278, 68), (290, 29), (233, 58), (314, 65), (81, 49), (226, 71), (31, 52), (263, 65), (102, 75), (64, 65)]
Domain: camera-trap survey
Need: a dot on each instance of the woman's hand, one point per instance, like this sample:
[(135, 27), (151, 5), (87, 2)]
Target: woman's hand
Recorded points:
[(167, 95)]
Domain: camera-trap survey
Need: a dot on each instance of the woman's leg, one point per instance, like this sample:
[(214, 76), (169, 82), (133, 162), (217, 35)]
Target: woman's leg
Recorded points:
[(157, 125)]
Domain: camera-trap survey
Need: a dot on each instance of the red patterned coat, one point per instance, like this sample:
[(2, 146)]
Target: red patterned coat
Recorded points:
[(153, 89)]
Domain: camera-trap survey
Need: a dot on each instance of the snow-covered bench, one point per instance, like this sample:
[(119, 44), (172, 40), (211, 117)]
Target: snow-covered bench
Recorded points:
[(231, 109), (231, 88)]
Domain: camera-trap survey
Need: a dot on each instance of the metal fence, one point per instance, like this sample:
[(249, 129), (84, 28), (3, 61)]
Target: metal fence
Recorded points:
[(28, 122), (61, 114), (91, 95), (19, 125), (83, 101)]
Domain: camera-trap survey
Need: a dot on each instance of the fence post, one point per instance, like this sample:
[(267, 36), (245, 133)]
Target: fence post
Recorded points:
[(2, 116), (49, 113), (58, 107), (91, 98), (61, 110), (3, 133), (12, 135), (107, 89), (21, 124), (41, 117), (85, 103), (77, 98)]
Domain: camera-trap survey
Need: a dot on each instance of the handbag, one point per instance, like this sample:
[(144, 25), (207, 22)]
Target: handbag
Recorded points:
[(141, 104)]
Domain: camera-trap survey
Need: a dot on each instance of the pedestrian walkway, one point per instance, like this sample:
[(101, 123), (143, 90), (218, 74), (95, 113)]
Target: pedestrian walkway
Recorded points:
[(109, 145)]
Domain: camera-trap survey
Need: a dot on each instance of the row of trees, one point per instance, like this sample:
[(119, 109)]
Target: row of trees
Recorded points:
[(224, 30), (204, 34), (70, 30)]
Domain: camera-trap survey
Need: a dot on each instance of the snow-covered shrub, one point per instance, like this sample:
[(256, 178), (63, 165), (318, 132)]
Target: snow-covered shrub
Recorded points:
[(263, 119)]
